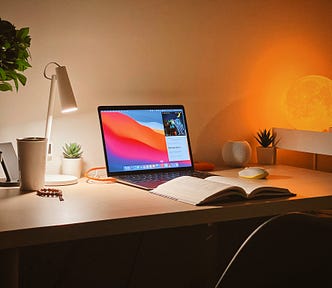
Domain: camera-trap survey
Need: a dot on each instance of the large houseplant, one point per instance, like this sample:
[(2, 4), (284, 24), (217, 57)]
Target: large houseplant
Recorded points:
[(14, 55), (266, 152)]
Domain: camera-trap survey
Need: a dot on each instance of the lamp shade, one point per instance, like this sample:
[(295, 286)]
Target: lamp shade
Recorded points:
[(67, 98)]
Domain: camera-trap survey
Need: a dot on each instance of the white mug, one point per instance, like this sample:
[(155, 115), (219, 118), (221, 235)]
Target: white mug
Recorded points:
[(31, 154)]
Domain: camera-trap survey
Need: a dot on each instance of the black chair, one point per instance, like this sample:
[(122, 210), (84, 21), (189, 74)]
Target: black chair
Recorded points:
[(291, 250)]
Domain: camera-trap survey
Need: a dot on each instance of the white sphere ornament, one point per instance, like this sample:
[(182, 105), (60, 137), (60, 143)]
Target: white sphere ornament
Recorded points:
[(236, 153)]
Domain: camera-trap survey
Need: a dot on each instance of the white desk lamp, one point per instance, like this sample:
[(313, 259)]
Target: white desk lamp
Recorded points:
[(68, 104)]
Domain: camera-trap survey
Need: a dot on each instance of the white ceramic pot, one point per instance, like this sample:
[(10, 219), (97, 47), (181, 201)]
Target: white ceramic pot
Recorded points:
[(72, 166), (236, 153)]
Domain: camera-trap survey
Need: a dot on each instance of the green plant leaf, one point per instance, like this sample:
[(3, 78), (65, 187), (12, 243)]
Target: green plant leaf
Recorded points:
[(2, 74), (16, 82), (22, 64), (11, 74), (265, 137), (22, 78), (4, 86), (14, 54), (22, 33), (72, 150)]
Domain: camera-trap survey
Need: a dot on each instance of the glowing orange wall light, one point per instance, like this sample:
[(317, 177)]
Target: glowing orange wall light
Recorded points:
[(284, 89), (309, 103), (289, 85)]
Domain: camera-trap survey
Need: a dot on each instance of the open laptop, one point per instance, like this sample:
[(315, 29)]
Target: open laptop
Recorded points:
[(146, 145)]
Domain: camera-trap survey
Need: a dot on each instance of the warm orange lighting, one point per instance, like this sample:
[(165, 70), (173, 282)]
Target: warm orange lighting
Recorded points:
[(308, 103), (280, 94)]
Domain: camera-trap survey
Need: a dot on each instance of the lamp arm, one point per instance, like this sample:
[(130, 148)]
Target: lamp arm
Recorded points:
[(50, 111), (67, 98)]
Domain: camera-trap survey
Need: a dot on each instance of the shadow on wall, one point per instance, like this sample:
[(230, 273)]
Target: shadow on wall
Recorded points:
[(228, 124)]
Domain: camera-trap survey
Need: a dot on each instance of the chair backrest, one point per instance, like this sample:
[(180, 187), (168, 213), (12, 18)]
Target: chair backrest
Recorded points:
[(304, 141), (317, 143), (291, 250)]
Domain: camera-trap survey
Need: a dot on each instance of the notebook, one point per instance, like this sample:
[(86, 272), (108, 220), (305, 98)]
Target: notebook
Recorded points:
[(146, 145)]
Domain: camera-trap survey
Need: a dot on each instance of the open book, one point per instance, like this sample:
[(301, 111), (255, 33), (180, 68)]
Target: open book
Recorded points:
[(217, 189)]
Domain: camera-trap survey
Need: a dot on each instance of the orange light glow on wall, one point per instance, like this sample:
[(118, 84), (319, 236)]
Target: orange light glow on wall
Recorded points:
[(309, 103), (290, 86)]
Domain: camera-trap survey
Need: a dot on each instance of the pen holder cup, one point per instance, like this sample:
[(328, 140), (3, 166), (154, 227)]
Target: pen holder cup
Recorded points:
[(31, 154)]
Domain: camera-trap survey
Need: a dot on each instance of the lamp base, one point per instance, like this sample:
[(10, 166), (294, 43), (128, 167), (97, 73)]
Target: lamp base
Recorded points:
[(4, 183), (60, 180)]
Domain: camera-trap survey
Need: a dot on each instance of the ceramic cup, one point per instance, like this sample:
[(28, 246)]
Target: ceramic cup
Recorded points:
[(31, 154)]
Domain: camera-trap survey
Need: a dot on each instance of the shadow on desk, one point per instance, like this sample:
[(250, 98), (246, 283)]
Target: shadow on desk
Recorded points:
[(180, 257)]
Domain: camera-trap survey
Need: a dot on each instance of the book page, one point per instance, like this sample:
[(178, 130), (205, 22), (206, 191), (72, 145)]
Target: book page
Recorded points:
[(191, 190), (251, 186)]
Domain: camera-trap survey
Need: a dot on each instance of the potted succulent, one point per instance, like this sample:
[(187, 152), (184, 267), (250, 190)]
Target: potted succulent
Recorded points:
[(14, 55), (72, 159), (266, 152)]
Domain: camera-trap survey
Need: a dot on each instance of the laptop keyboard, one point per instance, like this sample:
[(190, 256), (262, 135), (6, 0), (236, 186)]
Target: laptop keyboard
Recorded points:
[(152, 180)]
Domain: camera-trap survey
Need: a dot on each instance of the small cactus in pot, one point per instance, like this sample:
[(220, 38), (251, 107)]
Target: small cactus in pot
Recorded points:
[(265, 137), (72, 150), (72, 161), (266, 152)]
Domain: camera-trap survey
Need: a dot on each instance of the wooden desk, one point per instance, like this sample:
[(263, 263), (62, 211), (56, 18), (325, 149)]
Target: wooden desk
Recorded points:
[(93, 210), (108, 212)]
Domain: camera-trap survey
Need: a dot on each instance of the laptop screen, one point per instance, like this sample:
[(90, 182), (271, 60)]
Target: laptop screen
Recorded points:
[(144, 138)]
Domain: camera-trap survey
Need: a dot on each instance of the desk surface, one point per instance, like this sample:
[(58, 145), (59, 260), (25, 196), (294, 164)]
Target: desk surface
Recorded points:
[(92, 210)]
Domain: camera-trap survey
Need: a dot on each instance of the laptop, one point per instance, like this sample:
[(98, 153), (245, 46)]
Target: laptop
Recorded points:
[(146, 145)]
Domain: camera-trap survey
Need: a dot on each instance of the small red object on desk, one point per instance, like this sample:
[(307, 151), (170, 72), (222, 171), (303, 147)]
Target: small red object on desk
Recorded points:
[(204, 166)]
